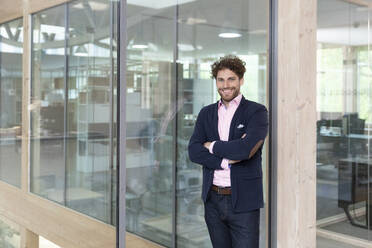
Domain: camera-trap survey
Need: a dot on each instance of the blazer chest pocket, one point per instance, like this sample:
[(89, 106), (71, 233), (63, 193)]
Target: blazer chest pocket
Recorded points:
[(239, 132)]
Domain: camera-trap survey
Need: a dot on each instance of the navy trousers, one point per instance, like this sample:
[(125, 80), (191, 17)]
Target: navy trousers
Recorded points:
[(228, 229)]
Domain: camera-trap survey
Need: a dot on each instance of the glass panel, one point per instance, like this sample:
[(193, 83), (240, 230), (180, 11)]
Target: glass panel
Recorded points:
[(11, 49), (48, 104), (152, 108), (150, 120), (89, 165), (206, 32), (73, 106), (344, 121), (9, 234)]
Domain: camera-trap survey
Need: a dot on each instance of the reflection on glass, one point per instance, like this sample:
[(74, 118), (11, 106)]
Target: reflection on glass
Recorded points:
[(89, 165), (11, 48), (9, 234), (48, 104), (72, 106), (150, 123), (206, 34), (344, 121), (152, 107)]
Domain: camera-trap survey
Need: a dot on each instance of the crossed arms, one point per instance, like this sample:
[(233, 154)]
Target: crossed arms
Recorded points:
[(236, 150)]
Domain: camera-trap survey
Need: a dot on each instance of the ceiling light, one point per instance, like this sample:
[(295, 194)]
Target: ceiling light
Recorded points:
[(94, 5), (229, 35), (193, 21), (157, 4), (140, 46), (81, 51), (186, 47)]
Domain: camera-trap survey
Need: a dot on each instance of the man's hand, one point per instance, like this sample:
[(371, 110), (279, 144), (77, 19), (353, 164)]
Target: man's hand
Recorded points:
[(236, 161), (207, 144)]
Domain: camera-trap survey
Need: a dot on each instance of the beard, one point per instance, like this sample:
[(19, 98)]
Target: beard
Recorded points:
[(228, 94)]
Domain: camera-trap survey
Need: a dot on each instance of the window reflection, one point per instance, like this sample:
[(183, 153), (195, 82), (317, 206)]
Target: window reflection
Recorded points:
[(152, 106), (344, 120), (150, 123), (72, 106), (11, 48)]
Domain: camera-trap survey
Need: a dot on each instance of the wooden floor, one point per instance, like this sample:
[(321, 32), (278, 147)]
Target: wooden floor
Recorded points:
[(133, 241), (328, 243)]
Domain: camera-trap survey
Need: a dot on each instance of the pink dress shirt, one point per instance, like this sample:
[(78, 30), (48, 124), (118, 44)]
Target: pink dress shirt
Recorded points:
[(225, 114)]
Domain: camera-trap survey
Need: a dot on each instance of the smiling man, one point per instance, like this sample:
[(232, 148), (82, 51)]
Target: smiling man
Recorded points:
[(227, 141)]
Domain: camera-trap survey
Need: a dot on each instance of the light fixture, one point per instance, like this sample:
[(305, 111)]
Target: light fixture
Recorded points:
[(140, 46), (227, 30), (97, 6), (185, 47), (229, 35), (81, 51), (138, 40)]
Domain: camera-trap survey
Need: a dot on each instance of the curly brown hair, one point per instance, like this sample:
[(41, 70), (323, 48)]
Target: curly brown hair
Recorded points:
[(230, 62)]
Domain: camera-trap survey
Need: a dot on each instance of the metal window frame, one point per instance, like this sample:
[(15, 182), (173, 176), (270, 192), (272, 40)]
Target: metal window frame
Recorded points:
[(273, 123), (122, 126)]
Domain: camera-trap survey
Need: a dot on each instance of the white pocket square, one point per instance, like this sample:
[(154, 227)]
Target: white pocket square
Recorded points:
[(240, 126)]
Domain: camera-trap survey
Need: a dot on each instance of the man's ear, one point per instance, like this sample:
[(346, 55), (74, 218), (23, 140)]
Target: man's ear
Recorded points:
[(241, 81)]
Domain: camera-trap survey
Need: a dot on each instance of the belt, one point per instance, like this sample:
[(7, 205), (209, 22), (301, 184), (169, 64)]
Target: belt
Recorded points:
[(222, 190)]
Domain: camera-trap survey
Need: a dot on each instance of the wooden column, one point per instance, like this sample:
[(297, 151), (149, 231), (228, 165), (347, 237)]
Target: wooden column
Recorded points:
[(29, 239), (296, 123)]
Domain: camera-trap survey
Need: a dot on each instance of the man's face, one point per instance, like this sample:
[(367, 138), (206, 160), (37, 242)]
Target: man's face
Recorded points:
[(228, 85)]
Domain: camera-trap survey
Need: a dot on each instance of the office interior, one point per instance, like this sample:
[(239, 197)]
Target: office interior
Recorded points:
[(72, 107)]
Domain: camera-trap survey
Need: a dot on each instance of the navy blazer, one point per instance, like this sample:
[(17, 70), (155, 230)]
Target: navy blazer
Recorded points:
[(250, 118)]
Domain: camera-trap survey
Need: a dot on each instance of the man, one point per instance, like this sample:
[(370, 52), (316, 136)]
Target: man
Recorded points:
[(227, 141)]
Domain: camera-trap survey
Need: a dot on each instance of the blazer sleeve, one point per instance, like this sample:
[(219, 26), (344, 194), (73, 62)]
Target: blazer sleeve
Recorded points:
[(243, 149), (197, 152)]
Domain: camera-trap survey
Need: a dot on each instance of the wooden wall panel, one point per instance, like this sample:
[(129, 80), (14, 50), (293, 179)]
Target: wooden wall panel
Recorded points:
[(12, 9), (296, 141), (62, 226), (37, 5)]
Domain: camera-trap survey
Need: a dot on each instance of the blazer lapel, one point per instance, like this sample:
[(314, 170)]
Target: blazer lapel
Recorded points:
[(236, 117)]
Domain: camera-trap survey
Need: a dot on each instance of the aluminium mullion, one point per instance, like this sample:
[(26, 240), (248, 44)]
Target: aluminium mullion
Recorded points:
[(175, 127), (273, 123), (121, 169), (111, 163), (31, 73), (65, 113)]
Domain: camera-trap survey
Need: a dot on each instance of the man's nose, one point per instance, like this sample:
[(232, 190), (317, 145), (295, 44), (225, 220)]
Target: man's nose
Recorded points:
[(226, 84)]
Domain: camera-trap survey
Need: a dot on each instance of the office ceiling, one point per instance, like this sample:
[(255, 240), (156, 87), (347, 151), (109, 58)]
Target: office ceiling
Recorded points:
[(200, 22)]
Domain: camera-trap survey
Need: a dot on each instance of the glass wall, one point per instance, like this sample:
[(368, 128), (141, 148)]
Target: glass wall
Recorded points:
[(11, 49), (171, 45), (9, 234), (344, 121), (150, 120), (72, 106)]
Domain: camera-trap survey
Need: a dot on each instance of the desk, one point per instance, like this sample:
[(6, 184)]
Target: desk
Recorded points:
[(340, 146), (355, 185)]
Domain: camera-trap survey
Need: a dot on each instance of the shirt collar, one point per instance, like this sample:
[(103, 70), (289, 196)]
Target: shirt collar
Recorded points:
[(235, 101)]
